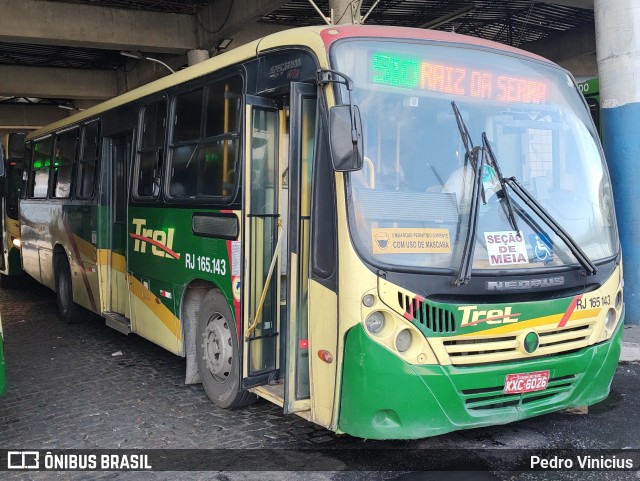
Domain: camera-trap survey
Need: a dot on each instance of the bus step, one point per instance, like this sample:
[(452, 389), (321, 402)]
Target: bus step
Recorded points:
[(118, 322)]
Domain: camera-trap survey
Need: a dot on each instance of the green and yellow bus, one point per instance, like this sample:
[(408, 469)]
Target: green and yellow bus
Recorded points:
[(13, 145), (393, 233)]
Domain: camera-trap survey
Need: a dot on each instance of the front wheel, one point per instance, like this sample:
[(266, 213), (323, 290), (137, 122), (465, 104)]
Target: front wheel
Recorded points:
[(69, 311), (218, 353)]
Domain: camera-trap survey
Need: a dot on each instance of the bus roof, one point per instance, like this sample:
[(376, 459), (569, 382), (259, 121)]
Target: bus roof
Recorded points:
[(330, 35), (319, 37)]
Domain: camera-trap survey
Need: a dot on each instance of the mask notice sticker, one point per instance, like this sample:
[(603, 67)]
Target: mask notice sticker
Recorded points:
[(410, 241), (506, 248)]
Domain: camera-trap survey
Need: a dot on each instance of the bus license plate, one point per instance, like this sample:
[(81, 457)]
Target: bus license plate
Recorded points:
[(526, 382)]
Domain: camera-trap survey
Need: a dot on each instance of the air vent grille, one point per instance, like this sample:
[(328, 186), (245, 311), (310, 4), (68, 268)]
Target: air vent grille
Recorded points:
[(430, 316)]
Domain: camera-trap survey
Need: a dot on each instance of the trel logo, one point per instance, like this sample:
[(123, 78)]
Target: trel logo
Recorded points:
[(471, 316), (161, 240)]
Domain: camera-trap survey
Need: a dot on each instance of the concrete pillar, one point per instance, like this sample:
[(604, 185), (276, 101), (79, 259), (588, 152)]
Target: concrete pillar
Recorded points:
[(345, 11), (197, 56), (618, 54)]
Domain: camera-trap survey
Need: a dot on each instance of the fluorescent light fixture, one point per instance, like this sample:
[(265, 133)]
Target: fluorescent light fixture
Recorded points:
[(68, 107), (223, 44), (137, 56)]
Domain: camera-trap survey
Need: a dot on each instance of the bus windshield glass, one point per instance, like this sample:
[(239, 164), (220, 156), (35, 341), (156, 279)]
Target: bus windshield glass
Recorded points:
[(410, 206)]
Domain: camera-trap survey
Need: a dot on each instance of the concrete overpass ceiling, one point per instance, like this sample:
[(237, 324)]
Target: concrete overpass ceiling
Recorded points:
[(513, 22), (201, 23), (59, 56), (168, 6)]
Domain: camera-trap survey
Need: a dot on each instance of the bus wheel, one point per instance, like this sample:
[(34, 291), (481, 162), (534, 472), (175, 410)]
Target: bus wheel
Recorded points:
[(218, 354), (69, 311)]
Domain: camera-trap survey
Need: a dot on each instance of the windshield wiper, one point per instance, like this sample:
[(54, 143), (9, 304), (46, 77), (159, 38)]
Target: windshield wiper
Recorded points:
[(466, 140), (471, 158), (464, 274), (535, 206), (504, 193), (589, 267)]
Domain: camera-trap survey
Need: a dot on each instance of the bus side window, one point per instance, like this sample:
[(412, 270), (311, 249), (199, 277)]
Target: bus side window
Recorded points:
[(88, 159), (151, 151), (39, 172), (64, 163), (185, 145), (204, 147)]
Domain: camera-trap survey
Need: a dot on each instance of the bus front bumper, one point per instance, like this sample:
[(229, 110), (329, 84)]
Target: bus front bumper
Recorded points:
[(383, 397)]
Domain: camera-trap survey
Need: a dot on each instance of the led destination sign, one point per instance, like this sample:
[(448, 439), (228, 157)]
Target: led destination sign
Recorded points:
[(411, 73)]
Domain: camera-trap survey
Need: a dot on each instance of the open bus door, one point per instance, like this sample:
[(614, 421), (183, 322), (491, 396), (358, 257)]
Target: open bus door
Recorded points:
[(301, 150), (263, 233), (276, 240), (118, 309)]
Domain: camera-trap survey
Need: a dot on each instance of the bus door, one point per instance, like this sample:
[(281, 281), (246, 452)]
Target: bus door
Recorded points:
[(302, 127), (118, 314), (276, 239), (263, 233)]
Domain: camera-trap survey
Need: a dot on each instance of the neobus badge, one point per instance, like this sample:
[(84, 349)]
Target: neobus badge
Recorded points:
[(472, 315), (161, 241)]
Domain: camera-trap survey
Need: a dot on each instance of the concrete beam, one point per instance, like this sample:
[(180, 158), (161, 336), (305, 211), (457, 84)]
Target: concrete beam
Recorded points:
[(576, 43), (225, 19), (21, 117), (82, 25), (585, 65), (59, 83)]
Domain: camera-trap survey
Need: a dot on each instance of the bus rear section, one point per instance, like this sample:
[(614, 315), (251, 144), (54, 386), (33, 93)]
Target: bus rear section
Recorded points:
[(10, 262)]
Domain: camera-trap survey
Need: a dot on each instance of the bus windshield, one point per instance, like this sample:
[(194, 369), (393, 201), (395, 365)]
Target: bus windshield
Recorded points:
[(410, 206)]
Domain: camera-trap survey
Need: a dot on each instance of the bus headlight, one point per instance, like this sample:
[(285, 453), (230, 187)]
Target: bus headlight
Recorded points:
[(611, 319), (375, 322), (403, 340), (618, 299), (16, 242), (368, 300)]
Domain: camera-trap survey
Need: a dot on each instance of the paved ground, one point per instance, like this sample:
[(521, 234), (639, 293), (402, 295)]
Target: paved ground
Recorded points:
[(69, 390)]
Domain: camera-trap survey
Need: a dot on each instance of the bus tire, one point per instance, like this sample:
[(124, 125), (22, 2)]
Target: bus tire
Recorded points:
[(218, 354), (69, 311), (5, 281)]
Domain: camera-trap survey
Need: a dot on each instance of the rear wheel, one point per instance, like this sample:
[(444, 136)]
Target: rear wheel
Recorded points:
[(218, 353), (69, 311)]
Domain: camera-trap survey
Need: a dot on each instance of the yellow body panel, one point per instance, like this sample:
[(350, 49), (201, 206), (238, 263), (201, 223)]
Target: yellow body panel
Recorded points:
[(323, 336), (152, 320)]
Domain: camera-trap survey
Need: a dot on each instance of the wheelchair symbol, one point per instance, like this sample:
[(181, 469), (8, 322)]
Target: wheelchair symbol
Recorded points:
[(541, 249)]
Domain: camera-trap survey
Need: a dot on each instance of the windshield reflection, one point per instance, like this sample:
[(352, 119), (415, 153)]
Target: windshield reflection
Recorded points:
[(411, 203)]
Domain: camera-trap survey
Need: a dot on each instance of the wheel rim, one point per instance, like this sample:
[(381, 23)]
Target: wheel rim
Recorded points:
[(218, 347)]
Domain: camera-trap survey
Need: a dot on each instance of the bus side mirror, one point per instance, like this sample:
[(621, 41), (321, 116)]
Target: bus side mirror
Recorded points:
[(345, 136)]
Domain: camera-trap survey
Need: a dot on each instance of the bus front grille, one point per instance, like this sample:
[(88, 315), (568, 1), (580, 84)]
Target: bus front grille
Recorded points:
[(492, 398), (483, 350)]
